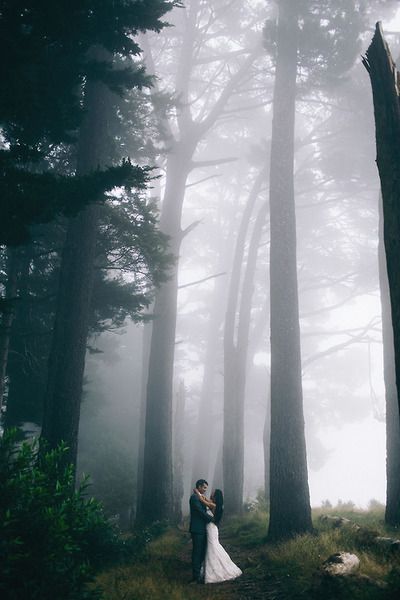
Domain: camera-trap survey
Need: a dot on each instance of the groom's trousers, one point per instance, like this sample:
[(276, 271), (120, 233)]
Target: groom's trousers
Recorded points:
[(198, 553)]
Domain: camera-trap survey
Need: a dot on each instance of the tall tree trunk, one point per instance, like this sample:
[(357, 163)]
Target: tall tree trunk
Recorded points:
[(146, 339), (235, 381), (290, 511), (178, 458), (145, 357), (392, 513), (267, 447), (202, 464), (218, 477), (156, 501), (67, 355), (7, 316), (385, 84), (235, 351), (157, 491), (201, 468)]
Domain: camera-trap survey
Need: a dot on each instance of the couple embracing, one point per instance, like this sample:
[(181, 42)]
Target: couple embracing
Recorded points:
[(210, 561)]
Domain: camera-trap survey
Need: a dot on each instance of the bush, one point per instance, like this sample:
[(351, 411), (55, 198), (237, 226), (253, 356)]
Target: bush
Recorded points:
[(53, 538), (257, 504)]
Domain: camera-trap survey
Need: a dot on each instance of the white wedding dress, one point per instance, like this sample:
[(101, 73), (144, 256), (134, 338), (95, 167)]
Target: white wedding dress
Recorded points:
[(218, 565)]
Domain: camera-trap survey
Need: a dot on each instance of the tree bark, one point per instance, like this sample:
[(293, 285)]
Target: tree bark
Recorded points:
[(67, 355), (392, 513), (290, 511), (385, 83), (157, 491), (218, 477), (157, 494), (202, 467), (178, 458), (267, 447), (233, 432), (146, 339), (235, 360)]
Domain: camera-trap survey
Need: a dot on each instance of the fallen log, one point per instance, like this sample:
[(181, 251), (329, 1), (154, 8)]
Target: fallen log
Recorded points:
[(338, 521), (388, 542), (369, 536)]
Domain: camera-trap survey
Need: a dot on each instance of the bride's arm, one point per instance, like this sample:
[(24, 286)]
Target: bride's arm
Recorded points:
[(205, 500)]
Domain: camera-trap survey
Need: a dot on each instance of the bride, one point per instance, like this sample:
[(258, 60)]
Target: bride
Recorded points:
[(218, 565)]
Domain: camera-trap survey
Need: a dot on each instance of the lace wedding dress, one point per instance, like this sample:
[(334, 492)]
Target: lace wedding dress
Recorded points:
[(218, 565)]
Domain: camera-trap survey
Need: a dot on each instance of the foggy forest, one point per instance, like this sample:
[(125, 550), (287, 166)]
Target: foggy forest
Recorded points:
[(199, 299)]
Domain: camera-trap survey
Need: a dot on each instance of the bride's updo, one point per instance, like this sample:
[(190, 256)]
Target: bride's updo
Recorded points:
[(219, 506)]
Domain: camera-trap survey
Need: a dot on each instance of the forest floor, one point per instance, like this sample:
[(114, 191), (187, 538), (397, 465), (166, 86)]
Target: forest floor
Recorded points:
[(284, 571)]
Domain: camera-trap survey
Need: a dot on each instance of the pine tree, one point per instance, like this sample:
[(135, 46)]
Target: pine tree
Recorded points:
[(48, 60), (324, 39)]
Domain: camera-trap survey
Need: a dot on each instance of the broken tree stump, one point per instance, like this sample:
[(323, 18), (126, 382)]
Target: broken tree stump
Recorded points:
[(385, 83)]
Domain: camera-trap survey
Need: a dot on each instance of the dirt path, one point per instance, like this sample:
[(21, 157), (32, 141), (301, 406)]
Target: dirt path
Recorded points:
[(252, 585)]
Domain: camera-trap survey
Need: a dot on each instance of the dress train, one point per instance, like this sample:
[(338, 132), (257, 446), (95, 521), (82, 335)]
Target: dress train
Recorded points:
[(218, 565)]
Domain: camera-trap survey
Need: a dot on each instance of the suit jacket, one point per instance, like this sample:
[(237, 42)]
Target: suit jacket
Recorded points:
[(198, 515)]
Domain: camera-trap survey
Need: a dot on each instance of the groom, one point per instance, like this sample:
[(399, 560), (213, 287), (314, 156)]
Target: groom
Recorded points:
[(198, 521)]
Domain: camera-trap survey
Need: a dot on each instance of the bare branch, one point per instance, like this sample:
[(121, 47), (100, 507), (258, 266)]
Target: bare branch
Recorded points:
[(226, 56), (361, 337), (199, 164), (328, 282), (331, 306), (202, 180), (189, 228), (214, 113), (185, 285)]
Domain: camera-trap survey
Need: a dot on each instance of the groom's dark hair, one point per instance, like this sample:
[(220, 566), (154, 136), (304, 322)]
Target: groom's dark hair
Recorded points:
[(200, 482)]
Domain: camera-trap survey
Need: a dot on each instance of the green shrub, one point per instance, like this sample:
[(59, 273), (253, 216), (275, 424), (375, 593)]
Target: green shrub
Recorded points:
[(258, 504), (53, 538)]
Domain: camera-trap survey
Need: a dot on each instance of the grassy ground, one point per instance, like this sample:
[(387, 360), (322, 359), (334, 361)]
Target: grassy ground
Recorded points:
[(273, 572)]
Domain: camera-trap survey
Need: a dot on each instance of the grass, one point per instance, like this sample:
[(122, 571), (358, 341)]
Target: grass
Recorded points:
[(283, 570), (158, 574), (247, 531), (294, 563)]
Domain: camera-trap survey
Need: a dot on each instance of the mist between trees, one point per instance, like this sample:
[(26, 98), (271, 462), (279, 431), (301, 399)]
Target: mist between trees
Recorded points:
[(192, 264)]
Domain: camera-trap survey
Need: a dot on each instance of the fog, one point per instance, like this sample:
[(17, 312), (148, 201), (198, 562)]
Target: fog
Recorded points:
[(337, 191)]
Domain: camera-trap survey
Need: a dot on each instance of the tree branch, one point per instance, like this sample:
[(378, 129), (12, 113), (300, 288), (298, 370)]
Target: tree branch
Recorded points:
[(337, 347), (185, 285), (214, 113), (199, 164), (202, 180), (189, 228)]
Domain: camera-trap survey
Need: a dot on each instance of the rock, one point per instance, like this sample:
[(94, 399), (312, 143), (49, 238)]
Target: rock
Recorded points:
[(341, 563), (387, 542), (338, 579)]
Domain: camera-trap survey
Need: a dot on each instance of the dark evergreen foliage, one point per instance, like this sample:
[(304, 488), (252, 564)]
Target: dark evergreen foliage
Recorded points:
[(29, 198), (47, 60), (53, 538), (47, 47), (128, 243)]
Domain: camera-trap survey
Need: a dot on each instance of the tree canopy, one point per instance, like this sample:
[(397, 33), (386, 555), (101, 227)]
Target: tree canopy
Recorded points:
[(50, 50)]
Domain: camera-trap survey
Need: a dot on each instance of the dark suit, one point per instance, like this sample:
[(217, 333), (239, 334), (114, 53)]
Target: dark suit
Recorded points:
[(198, 521)]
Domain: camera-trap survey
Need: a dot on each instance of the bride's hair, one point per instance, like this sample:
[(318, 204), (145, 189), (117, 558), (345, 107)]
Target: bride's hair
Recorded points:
[(219, 506)]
